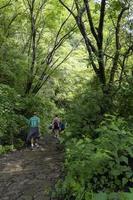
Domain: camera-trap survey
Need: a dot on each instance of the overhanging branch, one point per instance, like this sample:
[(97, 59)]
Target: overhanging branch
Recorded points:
[(69, 10), (7, 4)]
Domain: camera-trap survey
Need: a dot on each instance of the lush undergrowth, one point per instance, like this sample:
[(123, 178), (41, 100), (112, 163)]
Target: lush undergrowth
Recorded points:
[(104, 196), (99, 165), (5, 149), (99, 148)]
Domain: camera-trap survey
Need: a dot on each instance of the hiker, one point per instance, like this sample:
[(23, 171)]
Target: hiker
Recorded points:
[(33, 136), (56, 126)]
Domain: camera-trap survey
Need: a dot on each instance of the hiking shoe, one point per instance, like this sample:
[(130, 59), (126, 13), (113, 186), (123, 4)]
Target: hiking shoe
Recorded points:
[(37, 145), (32, 147)]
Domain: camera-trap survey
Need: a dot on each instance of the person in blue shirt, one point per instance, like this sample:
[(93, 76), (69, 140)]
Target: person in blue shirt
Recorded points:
[(34, 134)]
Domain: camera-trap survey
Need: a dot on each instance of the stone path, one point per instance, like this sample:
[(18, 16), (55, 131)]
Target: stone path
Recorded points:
[(30, 175)]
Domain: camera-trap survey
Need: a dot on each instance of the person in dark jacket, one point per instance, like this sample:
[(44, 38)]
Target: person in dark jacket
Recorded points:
[(56, 126)]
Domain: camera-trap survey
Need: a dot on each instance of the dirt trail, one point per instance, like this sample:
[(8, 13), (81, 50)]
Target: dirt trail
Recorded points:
[(30, 175)]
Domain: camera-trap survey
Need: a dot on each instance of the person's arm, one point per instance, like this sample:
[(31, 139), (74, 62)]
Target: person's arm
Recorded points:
[(53, 123), (60, 123), (29, 122)]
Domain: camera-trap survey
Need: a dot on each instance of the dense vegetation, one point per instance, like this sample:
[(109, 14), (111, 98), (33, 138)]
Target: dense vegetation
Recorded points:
[(73, 58)]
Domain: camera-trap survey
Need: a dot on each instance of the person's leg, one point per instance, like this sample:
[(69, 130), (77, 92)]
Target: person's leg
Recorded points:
[(30, 137), (32, 142), (36, 137), (37, 142), (53, 132), (57, 133), (34, 133)]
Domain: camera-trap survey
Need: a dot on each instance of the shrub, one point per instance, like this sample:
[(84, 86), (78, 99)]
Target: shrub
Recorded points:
[(101, 164)]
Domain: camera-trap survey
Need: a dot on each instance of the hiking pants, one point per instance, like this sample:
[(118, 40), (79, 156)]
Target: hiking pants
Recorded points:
[(33, 133)]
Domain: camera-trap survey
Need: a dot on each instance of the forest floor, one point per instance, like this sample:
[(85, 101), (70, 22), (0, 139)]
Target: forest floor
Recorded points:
[(31, 175)]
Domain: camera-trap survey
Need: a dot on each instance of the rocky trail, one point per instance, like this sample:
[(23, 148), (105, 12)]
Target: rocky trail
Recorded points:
[(31, 175)]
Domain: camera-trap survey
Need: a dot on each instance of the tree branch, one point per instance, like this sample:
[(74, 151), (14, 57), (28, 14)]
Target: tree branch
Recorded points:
[(69, 10), (39, 9), (11, 21), (47, 74), (58, 43), (122, 64), (101, 21), (7, 4), (117, 44), (90, 19), (33, 46)]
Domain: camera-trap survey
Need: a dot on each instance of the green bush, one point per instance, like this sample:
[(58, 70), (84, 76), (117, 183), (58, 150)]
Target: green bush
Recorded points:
[(84, 114), (10, 120), (5, 149), (124, 101), (101, 164)]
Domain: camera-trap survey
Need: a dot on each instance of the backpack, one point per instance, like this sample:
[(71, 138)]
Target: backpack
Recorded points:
[(56, 125), (62, 126)]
